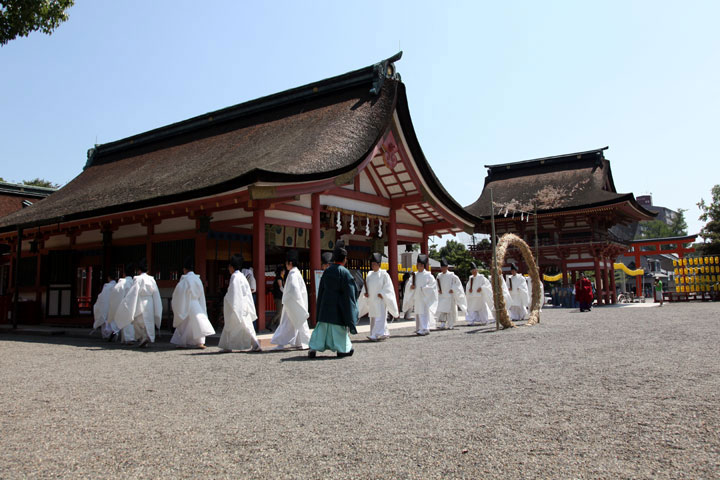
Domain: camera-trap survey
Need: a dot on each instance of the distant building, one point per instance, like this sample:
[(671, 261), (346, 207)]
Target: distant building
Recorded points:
[(14, 197), (663, 214)]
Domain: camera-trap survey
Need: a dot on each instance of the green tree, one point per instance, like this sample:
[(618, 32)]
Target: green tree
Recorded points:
[(679, 226), (711, 231), (659, 229), (458, 255), (41, 182), (19, 18)]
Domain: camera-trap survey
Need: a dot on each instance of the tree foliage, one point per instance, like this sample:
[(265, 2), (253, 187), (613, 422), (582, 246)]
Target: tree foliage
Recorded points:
[(711, 231), (41, 182), (456, 254), (19, 18)]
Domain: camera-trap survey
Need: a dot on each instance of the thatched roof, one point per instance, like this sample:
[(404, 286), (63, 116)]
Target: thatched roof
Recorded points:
[(566, 182), (313, 132)]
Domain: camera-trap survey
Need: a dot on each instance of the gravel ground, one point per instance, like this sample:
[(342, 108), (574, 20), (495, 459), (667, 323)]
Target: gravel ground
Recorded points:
[(615, 393)]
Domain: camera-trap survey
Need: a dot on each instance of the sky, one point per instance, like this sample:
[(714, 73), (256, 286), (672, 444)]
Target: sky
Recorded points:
[(487, 82)]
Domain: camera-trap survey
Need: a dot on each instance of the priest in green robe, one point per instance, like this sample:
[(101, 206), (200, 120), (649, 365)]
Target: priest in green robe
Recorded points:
[(337, 310)]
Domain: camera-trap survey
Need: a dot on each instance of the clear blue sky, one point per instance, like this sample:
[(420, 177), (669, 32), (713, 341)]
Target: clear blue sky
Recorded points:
[(488, 82)]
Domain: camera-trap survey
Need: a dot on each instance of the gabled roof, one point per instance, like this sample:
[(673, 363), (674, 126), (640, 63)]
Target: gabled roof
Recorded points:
[(560, 183), (22, 190)]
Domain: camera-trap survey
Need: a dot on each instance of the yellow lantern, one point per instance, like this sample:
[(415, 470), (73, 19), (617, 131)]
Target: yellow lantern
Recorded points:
[(705, 260)]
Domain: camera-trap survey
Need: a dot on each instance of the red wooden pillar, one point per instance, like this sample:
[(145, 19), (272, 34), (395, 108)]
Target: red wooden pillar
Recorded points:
[(598, 285), (613, 288), (424, 244), (393, 251), (259, 263), (315, 248), (201, 256), (563, 266), (148, 247), (574, 277), (606, 283), (638, 278)]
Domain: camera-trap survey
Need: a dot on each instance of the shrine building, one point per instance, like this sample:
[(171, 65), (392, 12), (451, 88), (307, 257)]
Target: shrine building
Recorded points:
[(300, 169), (582, 221)]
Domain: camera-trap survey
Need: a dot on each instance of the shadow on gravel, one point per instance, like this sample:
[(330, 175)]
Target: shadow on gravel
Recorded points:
[(305, 358)]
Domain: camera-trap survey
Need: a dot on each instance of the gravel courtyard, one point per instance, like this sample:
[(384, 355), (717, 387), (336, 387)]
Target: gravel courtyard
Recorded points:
[(629, 392)]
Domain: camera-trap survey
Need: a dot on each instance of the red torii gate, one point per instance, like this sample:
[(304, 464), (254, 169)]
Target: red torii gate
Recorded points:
[(659, 246)]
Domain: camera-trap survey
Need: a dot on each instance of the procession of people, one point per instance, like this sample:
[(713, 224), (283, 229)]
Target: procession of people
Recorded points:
[(129, 309)]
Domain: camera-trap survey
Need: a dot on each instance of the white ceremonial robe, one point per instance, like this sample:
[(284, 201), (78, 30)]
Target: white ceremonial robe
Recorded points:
[(479, 303), (293, 329), (101, 309), (530, 290), (519, 298), (239, 312), (448, 303), (141, 307), (117, 295), (375, 307), (423, 300), (190, 312)]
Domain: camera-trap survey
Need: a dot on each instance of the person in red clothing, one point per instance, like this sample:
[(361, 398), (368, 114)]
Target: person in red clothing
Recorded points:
[(583, 293)]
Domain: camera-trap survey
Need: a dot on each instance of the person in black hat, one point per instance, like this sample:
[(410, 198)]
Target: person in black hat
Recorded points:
[(238, 311), (141, 307), (450, 296), (337, 311), (117, 295), (190, 310), (293, 330), (421, 296), (102, 307), (479, 297), (277, 291), (377, 299), (519, 296)]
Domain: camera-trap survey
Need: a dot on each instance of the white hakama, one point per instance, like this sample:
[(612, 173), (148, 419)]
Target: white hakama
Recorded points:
[(479, 300), (293, 329), (422, 300), (239, 312), (519, 297), (141, 307), (448, 303), (117, 295), (190, 312), (101, 310), (377, 308)]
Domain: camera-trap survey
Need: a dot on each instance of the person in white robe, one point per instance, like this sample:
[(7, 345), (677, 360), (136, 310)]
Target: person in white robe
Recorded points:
[(479, 298), (117, 295), (102, 308), (141, 307), (530, 291), (377, 299), (293, 330), (239, 312), (451, 296), (190, 318), (421, 297), (519, 297)]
